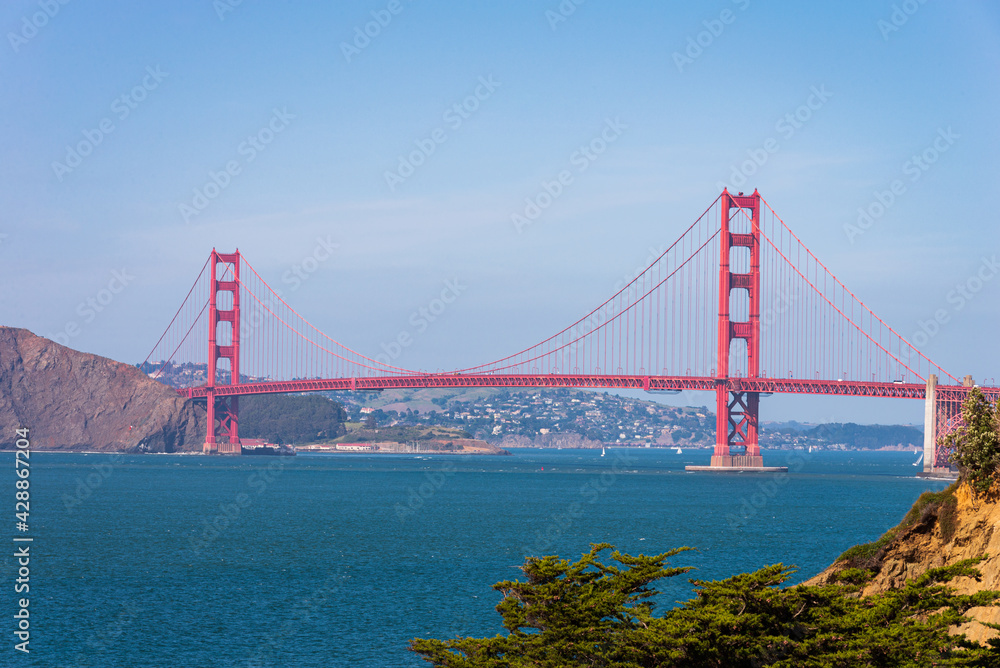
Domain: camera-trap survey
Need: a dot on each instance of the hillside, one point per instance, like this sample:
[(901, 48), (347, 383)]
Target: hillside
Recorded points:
[(940, 530), (77, 401), (291, 419)]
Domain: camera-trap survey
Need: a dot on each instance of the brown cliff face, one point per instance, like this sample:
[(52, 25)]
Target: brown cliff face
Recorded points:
[(77, 401), (942, 536)]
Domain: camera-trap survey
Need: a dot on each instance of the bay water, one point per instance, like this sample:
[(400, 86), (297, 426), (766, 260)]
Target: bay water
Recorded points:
[(340, 560)]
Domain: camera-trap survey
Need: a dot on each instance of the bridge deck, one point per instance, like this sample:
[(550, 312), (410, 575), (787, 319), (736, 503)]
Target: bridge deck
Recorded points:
[(647, 383)]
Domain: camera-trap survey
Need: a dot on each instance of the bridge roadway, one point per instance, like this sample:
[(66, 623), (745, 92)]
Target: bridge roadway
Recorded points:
[(647, 383)]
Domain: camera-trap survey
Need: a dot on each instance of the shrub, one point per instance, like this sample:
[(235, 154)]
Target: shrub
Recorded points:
[(948, 518), (975, 444)]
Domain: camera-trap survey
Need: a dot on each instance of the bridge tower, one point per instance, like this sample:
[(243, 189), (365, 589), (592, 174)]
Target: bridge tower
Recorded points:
[(736, 411), (223, 306)]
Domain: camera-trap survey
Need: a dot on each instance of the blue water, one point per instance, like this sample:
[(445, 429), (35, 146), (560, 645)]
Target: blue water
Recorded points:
[(341, 560)]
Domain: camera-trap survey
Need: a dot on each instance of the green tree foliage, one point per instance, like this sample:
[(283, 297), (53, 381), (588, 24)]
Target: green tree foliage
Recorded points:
[(975, 444), (287, 418), (591, 613)]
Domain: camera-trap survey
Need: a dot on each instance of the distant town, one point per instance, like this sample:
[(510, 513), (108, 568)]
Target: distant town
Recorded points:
[(557, 417)]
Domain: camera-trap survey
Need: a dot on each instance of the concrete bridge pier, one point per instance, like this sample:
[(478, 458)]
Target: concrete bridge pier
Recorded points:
[(942, 409), (930, 424)]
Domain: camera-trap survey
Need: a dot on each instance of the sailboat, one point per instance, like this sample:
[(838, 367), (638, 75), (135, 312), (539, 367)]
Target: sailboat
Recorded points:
[(810, 449), (679, 451), (920, 460), (602, 451)]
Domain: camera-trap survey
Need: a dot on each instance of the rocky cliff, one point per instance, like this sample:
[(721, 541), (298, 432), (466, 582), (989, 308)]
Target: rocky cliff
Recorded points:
[(76, 401), (940, 530)]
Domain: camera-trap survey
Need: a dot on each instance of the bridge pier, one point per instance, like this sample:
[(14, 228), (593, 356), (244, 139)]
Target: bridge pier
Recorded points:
[(210, 447), (930, 423), (223, 420), (736, 424), (942, 415)]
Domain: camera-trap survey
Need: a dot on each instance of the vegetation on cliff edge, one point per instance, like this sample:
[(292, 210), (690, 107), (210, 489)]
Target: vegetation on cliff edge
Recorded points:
[(975, 449), (591, 613)]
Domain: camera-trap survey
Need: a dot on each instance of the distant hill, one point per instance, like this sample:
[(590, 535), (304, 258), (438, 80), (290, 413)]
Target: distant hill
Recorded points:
[(291, 419), (844, 436)]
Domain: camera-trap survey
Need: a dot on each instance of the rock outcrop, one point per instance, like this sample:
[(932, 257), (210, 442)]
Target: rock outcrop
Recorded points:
[(941, 533), (77, 401)]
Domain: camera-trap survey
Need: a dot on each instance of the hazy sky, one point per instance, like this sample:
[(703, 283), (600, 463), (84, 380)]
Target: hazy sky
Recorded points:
[(138, 136)]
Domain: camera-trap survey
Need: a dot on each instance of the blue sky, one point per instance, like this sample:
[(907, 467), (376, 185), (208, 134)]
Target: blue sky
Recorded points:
[(885, 81)]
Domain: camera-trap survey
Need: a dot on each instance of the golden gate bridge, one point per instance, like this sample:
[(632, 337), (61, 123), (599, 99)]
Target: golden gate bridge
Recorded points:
[(737, 306)]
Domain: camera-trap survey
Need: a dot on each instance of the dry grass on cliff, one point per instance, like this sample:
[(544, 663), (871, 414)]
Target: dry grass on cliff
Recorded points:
[(928, 508)]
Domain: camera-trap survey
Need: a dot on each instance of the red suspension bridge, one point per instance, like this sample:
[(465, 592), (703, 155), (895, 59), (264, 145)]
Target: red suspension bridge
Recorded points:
[(737, 306)]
